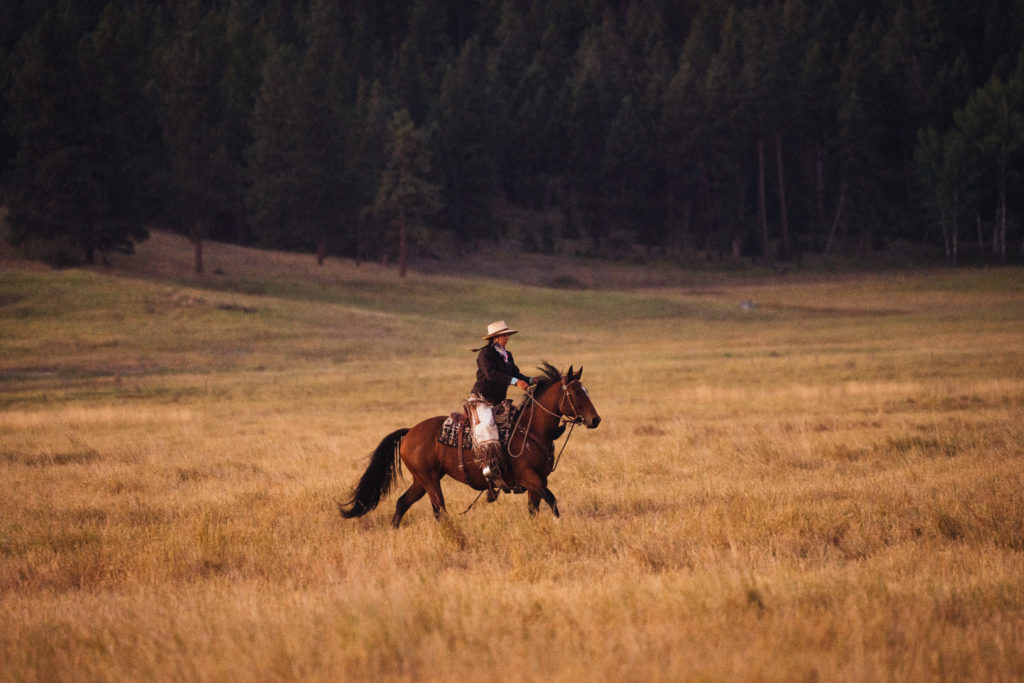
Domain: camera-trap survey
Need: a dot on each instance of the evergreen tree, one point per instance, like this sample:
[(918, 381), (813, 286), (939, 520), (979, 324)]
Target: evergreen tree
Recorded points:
[(85, 133), (815, 100), (536, 154), (684, 140), (862, 137), (731, 142), (628, 176), (299, 194), (422, 59), (465, 144), (275, 157), (992, 124), (367, 143), (595, 91), (203, 184), (944, 173), (406, 199)]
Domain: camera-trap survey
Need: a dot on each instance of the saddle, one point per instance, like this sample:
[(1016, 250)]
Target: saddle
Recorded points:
[(457, 429)]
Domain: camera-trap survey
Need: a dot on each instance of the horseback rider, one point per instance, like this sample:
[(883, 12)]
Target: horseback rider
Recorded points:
[(496, 371)]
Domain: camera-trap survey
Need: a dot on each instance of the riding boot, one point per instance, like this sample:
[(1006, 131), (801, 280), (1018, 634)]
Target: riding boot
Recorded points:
[(491, 457)]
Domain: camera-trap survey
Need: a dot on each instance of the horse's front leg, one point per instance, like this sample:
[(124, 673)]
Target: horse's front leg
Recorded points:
[(549, 498), (535, 498), (532, 502)]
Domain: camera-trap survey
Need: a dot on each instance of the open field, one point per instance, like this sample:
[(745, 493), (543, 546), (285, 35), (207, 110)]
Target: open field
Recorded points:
[(827, 487)]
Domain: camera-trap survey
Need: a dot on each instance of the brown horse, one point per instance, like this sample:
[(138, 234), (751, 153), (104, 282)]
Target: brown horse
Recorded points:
[(552, 400)]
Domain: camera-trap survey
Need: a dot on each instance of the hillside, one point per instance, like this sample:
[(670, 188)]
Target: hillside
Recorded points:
[(166, 255)]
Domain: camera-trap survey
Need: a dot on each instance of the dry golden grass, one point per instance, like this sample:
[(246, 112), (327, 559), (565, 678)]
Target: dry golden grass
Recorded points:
[(827, 487)]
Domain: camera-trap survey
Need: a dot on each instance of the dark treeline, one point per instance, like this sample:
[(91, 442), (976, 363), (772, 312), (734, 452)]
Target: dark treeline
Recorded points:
[(370, 128)]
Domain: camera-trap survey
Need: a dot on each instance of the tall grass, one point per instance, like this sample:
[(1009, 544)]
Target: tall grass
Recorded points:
[(828, 486)]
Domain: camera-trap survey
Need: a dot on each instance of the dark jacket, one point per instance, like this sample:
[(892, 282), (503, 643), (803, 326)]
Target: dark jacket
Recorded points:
[(494, 375)]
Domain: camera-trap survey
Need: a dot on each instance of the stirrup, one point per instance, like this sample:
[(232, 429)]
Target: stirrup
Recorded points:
[(497, 483)]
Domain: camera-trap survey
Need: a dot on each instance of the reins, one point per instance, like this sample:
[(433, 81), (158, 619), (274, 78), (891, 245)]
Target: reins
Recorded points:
[(562, 418)]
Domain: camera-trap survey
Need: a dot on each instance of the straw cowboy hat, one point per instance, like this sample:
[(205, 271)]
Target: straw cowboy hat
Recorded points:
[(497, 329)]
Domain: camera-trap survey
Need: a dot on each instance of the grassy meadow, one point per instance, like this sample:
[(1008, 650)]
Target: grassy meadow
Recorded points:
[(829, 486)]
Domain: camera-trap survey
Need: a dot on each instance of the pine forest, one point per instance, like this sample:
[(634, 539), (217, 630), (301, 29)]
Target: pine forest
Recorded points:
[(733, 131)]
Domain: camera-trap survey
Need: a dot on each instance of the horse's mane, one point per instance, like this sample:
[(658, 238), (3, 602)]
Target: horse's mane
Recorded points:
[(549, 375)]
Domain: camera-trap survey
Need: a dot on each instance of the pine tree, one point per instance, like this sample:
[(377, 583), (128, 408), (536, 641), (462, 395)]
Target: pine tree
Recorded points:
[(861, 136), (628, 172), (406, 198), (536, 153), (992, 124), (730, 139), (203, 183), (367, 144), (465, 144), (684, 139), (85, 134)]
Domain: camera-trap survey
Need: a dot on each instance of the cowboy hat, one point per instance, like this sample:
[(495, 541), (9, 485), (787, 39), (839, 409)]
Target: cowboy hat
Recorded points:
[(497, 329)]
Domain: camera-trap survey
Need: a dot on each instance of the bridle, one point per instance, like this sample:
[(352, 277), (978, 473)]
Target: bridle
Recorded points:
[(561, 415)]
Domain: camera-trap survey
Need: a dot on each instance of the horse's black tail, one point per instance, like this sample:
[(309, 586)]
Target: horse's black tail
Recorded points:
[(377, 479)]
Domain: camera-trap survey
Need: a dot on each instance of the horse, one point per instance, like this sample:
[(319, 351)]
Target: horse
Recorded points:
[(553, 400)]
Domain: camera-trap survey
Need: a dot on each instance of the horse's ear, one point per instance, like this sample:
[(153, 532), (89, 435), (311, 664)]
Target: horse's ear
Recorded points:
[(579, 373), (568, 375)]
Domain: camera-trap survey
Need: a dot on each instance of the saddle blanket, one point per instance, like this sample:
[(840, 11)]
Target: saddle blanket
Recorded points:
[(449, 434)]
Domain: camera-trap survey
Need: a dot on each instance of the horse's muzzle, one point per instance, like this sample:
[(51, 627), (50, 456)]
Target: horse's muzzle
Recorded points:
[(593, 422)]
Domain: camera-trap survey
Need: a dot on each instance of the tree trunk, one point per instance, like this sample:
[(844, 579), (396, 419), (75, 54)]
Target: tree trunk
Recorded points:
[(955, 231), (956, 226), (762, 209), (403, 246), (1001, 228), (688, 221), (359, 240), (197, 242), (835, 220), (86, 239), (705, 198), (321, 252), (981, 238), (819, 186), (782, 197), (947, 243)]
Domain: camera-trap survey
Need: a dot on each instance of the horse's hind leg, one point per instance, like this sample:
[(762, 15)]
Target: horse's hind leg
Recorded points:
[(405, 501), (428, 482), (433, 488)]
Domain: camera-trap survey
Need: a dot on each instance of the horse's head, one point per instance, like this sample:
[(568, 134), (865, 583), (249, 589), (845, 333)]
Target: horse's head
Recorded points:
[(567, 397)]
